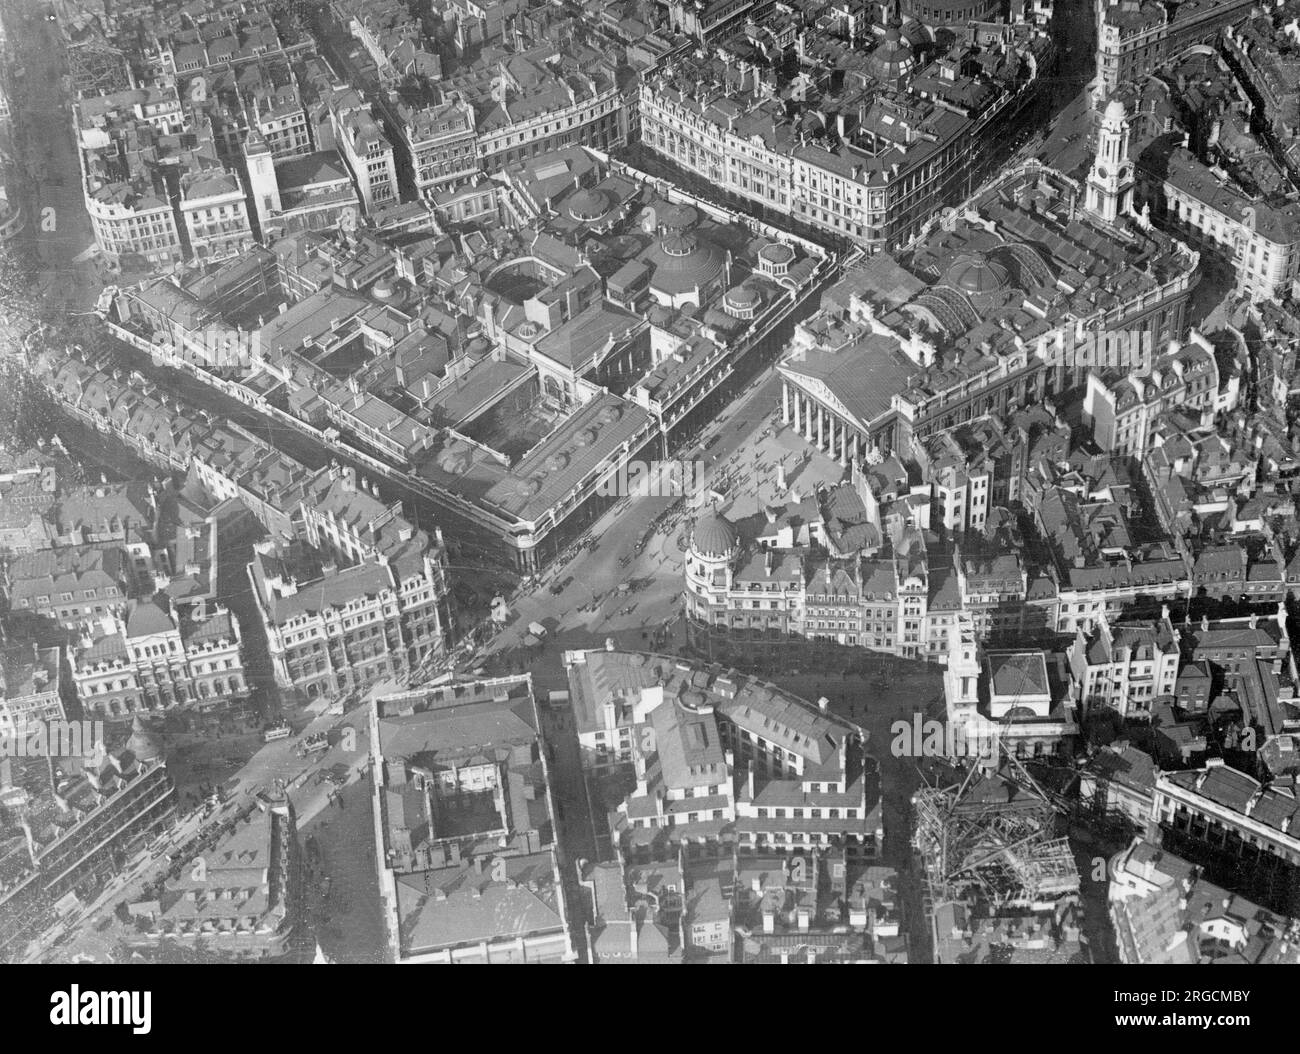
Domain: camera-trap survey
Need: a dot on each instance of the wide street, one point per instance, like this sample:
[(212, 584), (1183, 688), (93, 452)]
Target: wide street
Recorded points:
[(45, 144), (277, 764), (1066, 142), (624, 578)]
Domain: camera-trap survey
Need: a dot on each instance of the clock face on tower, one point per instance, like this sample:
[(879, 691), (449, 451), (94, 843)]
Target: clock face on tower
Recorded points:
[(1101, 171)]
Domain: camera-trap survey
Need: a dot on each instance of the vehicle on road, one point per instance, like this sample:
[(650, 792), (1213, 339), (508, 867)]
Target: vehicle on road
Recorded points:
[(314, 744)]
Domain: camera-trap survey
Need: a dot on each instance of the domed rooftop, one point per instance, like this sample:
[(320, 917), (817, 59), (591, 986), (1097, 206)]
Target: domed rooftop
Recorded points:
[(683, 262), (743, 298), (893, 57), (588, 205), (714, 536), (679, 217), (676, 243), (976, 273), (1115, 111), (777, 253)]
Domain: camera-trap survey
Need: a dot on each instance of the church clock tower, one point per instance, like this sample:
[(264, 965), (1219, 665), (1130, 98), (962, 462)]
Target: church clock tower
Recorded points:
[(1110, 182)]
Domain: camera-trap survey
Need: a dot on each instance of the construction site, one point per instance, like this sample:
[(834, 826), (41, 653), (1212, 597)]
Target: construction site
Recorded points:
[(1000, 885)]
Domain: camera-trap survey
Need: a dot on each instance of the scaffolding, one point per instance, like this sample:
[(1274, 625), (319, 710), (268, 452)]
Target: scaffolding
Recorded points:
[(998, 848), (95, 67)]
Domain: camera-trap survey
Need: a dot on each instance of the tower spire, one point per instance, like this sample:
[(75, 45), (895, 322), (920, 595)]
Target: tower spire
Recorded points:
[(1110, 181)]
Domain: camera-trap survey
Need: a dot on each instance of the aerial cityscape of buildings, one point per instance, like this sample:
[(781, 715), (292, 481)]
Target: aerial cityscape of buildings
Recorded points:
[(693, 481)]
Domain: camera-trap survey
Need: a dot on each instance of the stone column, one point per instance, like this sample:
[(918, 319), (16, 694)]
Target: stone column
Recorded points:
[(785, 402), (821, 427), (808, 419)]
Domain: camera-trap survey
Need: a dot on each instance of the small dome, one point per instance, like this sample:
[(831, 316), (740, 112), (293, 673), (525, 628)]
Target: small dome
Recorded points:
[(677, 244), (1115, 111), (588, 205), (777, 253), (892, 58), (714, 536), (976, 273), (742, 298), (679, 218)]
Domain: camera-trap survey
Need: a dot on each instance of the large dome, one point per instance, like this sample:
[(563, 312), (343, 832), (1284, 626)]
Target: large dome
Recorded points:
[(683, 262), (976, 273), (714, 535)]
